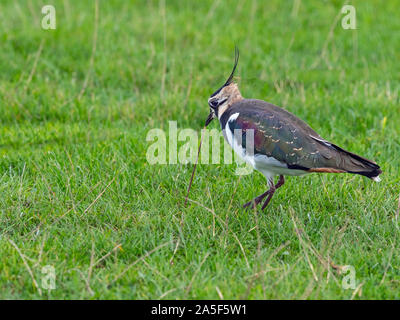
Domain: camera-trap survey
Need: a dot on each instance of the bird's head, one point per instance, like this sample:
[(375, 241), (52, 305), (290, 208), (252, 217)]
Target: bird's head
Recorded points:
[(225, 96)]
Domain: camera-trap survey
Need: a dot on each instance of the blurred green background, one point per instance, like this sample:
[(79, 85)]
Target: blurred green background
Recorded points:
[(77, 193)]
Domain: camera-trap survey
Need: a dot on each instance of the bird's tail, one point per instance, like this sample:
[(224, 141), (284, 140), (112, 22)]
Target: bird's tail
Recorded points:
[(353, 163)]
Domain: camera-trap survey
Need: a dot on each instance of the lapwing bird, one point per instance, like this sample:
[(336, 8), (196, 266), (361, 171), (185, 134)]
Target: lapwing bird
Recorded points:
[(284, 145)]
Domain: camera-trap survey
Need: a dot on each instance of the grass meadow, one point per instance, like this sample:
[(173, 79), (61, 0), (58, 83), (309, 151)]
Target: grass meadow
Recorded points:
[(77, 193)]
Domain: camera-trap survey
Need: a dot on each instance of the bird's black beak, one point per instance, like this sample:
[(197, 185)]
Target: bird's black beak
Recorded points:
[(209, 118)]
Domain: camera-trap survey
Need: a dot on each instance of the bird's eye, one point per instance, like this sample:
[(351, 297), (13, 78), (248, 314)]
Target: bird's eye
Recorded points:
[(214, 103)]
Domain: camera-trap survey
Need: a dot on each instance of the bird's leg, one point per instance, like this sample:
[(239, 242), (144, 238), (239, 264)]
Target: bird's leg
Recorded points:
[(270, 195), (281, 182), (273, 189)]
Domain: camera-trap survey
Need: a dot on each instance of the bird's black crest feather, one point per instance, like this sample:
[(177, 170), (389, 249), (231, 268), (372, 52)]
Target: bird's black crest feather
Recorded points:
[(229, 81)]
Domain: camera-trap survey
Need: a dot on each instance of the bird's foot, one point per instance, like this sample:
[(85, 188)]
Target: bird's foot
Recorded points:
[(253, 203), (268, 193)]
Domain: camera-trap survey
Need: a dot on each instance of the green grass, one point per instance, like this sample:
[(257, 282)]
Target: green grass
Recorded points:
[(75, 183)]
